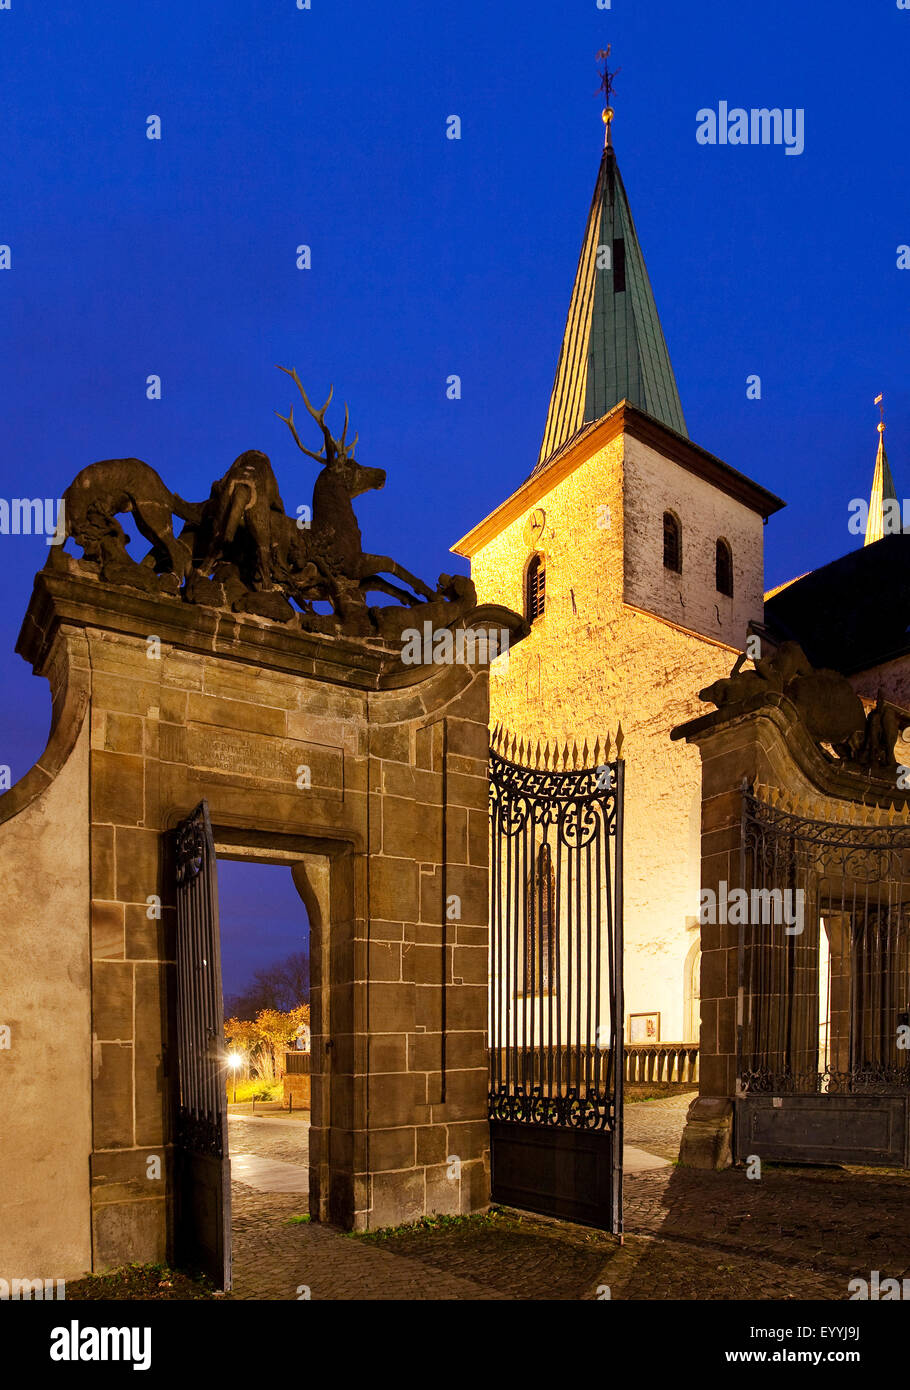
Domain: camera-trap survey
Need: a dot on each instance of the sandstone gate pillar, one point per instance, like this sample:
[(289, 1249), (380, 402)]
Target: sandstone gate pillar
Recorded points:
[(387, 836), (761, 742)]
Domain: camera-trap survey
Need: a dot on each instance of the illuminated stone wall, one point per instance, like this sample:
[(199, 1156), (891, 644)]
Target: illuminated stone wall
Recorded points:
[(594, 660)]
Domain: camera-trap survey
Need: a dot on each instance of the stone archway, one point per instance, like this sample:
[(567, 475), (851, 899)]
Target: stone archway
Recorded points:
[(323, 874), (692, 993)]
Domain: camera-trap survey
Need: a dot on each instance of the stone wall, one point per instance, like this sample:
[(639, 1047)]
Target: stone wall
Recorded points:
[(45, 1110), (763, 744), (653, 485), (297, 1090), (389, 825)]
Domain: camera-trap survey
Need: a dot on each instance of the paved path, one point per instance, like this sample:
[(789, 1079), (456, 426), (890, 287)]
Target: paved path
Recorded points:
[(276, 1257), (269, 1174), (796, 1233), (657, 1125)]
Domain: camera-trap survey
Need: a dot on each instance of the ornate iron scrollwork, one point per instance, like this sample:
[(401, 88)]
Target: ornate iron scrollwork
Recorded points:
[(854, 878), (190, 847), (550, 1069), (199, 1134), (573, 801)]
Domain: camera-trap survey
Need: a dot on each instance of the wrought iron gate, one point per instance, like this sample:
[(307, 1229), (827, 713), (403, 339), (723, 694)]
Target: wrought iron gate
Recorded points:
[(203, 1177), (556, 1004), (824, 983)]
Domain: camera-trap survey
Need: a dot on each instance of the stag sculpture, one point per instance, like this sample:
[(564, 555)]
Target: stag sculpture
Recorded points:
[(240, 550), (333, 543)]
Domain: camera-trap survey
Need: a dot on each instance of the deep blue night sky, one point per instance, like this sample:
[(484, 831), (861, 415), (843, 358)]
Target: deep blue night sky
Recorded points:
[(263, 920), (431, 256)]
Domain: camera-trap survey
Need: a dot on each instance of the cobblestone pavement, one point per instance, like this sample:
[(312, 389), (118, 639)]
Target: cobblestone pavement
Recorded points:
[(795, 1234), (277, 1260), (274, 1260), (270, 1137), (657, 1125)]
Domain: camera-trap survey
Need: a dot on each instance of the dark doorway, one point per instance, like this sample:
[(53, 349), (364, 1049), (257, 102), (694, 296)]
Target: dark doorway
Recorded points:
[(243, 942)]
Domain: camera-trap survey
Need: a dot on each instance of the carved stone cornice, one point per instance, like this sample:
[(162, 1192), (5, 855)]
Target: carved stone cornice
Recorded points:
[(66, 600), (774, 711)]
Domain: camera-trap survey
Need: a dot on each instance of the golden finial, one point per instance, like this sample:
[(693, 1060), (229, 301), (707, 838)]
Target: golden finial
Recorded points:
[(606, 86), (879, 401)]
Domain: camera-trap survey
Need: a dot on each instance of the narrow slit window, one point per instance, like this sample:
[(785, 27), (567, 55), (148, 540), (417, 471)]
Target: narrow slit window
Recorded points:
[(672, 543), (723, 568), (619, 265), (536, 598)]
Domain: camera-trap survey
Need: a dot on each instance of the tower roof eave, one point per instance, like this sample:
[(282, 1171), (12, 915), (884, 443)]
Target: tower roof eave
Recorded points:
[(624, 418)]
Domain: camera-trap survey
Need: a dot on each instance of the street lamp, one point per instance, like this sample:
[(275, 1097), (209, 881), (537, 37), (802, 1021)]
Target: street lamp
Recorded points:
[(235, 1061)]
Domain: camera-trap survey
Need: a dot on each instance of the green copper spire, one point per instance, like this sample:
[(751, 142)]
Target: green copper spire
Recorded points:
[(613, 347)]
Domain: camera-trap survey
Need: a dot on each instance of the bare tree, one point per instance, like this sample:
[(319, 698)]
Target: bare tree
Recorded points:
[(282, 986)]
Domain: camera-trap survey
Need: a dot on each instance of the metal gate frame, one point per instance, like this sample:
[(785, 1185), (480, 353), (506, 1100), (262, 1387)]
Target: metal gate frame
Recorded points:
[(849, 1102), (556, 993), (202, 1237)]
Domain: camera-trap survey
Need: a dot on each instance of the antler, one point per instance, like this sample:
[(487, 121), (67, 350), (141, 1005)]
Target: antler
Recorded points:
[(333, 447), (318, 416), (347, 448)]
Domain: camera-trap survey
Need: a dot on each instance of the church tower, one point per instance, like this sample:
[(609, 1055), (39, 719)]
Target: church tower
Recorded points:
[(637, 559)]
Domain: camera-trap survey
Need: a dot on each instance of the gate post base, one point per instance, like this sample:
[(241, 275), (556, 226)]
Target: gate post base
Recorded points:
[(707, 1140)]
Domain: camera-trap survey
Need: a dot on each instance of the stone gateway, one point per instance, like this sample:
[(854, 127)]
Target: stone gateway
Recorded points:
[(188, 677)]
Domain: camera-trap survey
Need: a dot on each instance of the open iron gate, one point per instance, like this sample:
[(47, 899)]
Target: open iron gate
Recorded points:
[(203, 1171), (823, 1067), (556, 1001)]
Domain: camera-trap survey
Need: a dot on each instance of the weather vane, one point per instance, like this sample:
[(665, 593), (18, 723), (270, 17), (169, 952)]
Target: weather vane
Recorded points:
[(606, 86), (879, 401)]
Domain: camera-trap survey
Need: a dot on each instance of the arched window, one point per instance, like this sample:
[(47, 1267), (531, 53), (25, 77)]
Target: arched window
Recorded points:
[(672, 543), (535, 588), (540, 939), (692, 993), (723, 569)]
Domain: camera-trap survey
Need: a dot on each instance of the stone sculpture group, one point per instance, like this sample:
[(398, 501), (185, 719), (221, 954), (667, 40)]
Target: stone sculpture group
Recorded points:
[(239, 550), (828, 706)]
